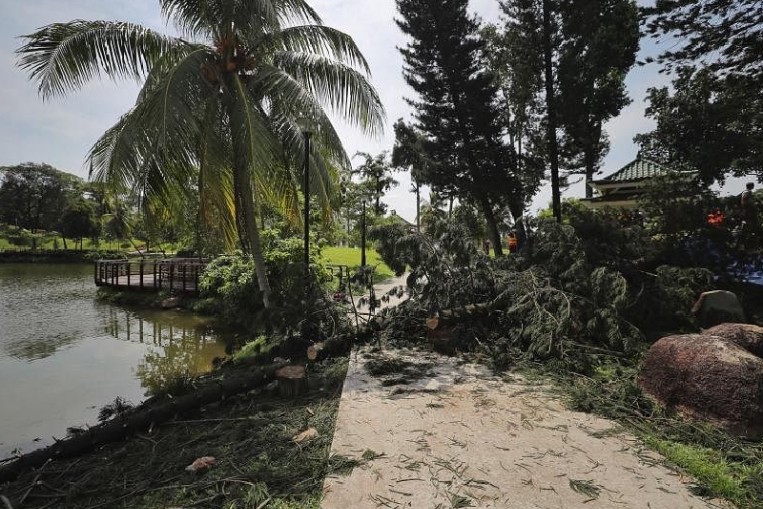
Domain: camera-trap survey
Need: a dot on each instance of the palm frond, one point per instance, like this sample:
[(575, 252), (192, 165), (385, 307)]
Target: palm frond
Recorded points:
[(346, 91), (296, 11), (153, 147), (317, 40), (217, 207), (254, 146), (64, 56), (288, 99), (194, 18)]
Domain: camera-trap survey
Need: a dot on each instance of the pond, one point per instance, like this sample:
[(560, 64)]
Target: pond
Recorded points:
[(64, 355)]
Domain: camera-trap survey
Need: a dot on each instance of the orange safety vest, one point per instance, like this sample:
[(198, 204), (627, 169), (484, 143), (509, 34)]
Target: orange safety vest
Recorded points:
[(512, 242)]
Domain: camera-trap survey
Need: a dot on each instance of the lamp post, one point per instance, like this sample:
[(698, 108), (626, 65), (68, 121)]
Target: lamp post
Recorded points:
[(363, 234), (307, 126)]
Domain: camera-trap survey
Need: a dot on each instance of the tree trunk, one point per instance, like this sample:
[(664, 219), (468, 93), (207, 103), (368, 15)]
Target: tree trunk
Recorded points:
[(492, 226), (418, 208), (553, 148), (137, 421), (292, 381), (248, 231), (378, 196), (591, 155), (516, 208)]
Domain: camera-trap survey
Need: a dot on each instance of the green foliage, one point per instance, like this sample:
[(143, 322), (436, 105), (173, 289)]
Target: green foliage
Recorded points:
[(229, 288), (33, 196), (707, 123), (384, 233), (573, 298), (723, 29), (254, 349), (376, 179)]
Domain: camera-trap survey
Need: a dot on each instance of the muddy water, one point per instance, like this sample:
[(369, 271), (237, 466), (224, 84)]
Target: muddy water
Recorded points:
[(63, 355)]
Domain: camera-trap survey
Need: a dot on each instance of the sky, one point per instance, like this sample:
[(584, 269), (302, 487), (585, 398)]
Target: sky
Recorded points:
[(61, 130)]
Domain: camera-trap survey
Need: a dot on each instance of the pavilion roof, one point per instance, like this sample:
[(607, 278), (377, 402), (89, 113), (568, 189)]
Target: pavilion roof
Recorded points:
[(638, 169)]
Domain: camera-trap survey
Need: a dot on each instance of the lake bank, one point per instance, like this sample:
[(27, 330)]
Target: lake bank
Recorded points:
[(64, 355)]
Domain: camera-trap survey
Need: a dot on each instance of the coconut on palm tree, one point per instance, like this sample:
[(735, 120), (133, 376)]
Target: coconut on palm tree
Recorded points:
[(219, 108)]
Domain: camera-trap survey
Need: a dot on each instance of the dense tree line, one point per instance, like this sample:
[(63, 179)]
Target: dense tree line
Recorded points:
[(711, 119), (499, 107)]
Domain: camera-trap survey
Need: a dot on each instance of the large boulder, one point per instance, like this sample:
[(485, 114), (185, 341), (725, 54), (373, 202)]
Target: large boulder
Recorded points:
[(746, 335), (718, 306), (707, 377)]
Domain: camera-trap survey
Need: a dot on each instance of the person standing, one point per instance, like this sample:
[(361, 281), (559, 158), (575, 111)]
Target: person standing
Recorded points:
[(750, 223)]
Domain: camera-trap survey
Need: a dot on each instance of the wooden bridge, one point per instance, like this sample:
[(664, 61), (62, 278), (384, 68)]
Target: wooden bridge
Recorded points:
[(179, 275)]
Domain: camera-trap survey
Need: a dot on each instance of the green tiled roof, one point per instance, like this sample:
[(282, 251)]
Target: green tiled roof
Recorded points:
[(638, 169)]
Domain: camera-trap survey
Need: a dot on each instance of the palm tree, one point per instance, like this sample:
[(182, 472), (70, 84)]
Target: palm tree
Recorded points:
[(220, 103)]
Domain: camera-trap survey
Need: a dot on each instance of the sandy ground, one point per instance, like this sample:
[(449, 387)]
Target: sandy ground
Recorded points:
[(460, 437)]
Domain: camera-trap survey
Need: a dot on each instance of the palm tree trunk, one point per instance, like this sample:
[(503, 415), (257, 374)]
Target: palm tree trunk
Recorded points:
[(247, 228)]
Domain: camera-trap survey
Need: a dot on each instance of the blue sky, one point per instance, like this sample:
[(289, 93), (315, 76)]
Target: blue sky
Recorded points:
[(61, 130)]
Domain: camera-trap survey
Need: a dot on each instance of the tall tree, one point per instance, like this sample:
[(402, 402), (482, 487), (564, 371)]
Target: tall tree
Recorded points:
[(582, 50), (79, 221), (408, 152), (600, 41), (33, 196), (456, 108), (708, 124), (226, 104), (548, 32), (376, 178), (516, 66)]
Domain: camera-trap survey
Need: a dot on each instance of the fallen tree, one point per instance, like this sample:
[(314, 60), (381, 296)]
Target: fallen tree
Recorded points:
[(139, 419)]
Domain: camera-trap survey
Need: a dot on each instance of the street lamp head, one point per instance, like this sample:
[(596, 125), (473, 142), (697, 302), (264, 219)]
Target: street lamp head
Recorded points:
[(307, 124)]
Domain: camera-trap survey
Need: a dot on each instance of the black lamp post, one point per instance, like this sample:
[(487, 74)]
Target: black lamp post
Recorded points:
[(363, 234), (307, 127)]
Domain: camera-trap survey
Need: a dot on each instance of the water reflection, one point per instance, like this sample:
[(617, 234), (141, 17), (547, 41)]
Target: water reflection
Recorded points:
[(182, 345), (64, 355)]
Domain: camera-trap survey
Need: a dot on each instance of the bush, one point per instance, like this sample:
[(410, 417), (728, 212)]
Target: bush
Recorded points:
[(229, 288)]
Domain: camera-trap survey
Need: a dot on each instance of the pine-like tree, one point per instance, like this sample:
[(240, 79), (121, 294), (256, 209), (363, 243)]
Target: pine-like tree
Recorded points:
[(456, 109)]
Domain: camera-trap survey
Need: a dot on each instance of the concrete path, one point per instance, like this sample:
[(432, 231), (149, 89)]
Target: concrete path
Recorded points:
[(382, 290), (436, 434)]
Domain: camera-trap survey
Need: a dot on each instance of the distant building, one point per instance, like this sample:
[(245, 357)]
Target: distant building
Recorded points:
[(623, 188)]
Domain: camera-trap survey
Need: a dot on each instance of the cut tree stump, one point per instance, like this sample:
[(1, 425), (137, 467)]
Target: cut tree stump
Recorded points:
[(314, 351), (440, 335), (292, 381)]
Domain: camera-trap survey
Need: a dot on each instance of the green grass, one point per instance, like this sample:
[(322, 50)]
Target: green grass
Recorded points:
[(713, 472), (723, 465), (350, 256)]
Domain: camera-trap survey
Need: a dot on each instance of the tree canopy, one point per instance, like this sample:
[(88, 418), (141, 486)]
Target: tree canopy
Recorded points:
[(712, 119), (33, 196), (456, 106)]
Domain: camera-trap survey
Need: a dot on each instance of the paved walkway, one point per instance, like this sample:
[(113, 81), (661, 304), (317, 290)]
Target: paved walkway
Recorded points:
[(437, 434), (382, 290)]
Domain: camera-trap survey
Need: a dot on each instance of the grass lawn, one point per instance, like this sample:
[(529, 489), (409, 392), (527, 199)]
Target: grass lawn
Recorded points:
[(350, 256)]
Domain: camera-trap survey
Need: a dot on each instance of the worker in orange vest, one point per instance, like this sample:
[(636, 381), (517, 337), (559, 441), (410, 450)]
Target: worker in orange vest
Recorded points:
[(715, 218), (513, 242)]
